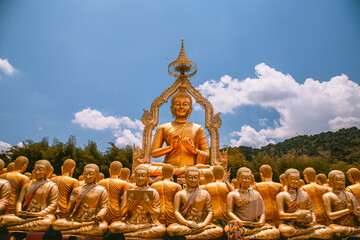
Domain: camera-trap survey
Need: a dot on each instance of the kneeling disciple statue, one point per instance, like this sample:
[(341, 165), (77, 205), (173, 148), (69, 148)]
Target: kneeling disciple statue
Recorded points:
[(140, 209), (37, 203), (296, 210), (193, 211), (341, 207), (88, 206), (246, 206)]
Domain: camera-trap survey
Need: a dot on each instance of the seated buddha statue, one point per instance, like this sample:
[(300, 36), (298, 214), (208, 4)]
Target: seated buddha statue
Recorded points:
[(193, 211), (246, 206), (116, 189), (354, 179), (5, 190), (88, 206), (167, 190), (37, 203), (268, 191), (341, 207), (186, 142), (17, 181), (315, 192), (296, 211), (66, 185), (140, 210)]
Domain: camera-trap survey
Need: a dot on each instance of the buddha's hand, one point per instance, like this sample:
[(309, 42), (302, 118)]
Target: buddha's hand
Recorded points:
[(302, 213), (189, 145), (192, 224), (175, 141)]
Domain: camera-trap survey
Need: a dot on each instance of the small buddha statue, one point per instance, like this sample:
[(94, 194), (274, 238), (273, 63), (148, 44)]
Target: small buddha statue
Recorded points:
[(296, 210), (125, 175), (246, 206), (167, 190), (116, 189), (193, 211), (88, 206), (268, 191), (66, 184), (321, 179), (17, 181), (186, 142), (37, 202), (218, 191), (354, 178), (5, 190), (341, 207), (315, 192), (140, 210)]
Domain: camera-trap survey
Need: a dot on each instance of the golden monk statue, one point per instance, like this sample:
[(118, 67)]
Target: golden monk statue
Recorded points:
[(268, 191), (5, 190), (125, 175), (186, 142), (37, 203), (208, 178), (2, 165), (246, 206), (167, 190), (218, 191), (296, 210), (88, 206), (116, 189), (315, 192), (193, 211), (140, 209), (10, 167), (66, 185), (321, 179), (354, 179), (341, 207), (17, 181)]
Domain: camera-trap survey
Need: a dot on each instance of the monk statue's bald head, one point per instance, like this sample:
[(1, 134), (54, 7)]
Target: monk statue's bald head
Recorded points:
[(167, 171), (353, 175), (282, 179), (10, 167), (115, 168), (93, 166), (21, 164), (68, 167), (266, 171), (242, 170), (218, 172), (321, 179), (337, 180), (2, 165), (125, 174), (191, 169), (46, 163), (309, 174), (209, 176)]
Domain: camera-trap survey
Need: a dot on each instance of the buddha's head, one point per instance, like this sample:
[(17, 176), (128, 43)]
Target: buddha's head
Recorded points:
[(337, 180), (309, 175), (292, 177), (265, 172), (142, 174), (91, 171), (42, 169), (353, 175), (21, 164), (192, 177), (209, 176), (125, 174), (218, 172), (167, 171), (115, 169), (321, 179), (244, 177), (68, 167), (181, 104), (99, 177)]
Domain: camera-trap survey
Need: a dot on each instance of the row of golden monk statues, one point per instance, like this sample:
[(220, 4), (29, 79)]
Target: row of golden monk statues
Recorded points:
[(264, 210)]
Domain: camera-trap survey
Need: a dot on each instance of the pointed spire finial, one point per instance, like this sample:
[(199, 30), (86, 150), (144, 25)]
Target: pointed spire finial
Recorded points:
[(182, 66)]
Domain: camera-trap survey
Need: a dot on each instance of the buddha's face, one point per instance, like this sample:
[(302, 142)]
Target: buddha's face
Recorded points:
[(181, 107), (90, 175), (245, 179), (293, 180), (40, 171), (192, 179), (338, 182), (141, 177)]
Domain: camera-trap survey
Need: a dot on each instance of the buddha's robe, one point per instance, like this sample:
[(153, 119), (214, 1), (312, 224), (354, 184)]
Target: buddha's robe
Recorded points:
[(138, 221), (5, 190), (17, 182), (316, 192), (66, 185), (167, 191), (218, 192), (35, 197), (116, 189), (181, 157), (355, 190), (86, 202), (196, 207)]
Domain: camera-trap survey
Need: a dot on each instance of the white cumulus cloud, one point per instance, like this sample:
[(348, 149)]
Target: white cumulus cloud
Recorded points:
[(249, 137), (6, 67), (308, 108), (4, 146), (126, 137)]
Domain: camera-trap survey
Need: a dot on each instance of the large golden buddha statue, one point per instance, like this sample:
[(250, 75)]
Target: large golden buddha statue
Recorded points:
[(140, 210), (246, 206), (88, 206), (193, 211), (341, 207), (296, 210), (66, 185), (17, 181), (37, 203), (354, 179), (186, 142)]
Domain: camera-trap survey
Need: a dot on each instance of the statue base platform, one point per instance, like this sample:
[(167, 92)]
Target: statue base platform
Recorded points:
[(39, 236)]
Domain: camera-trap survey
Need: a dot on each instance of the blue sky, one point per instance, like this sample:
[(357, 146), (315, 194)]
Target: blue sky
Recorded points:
[(275, 69)]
